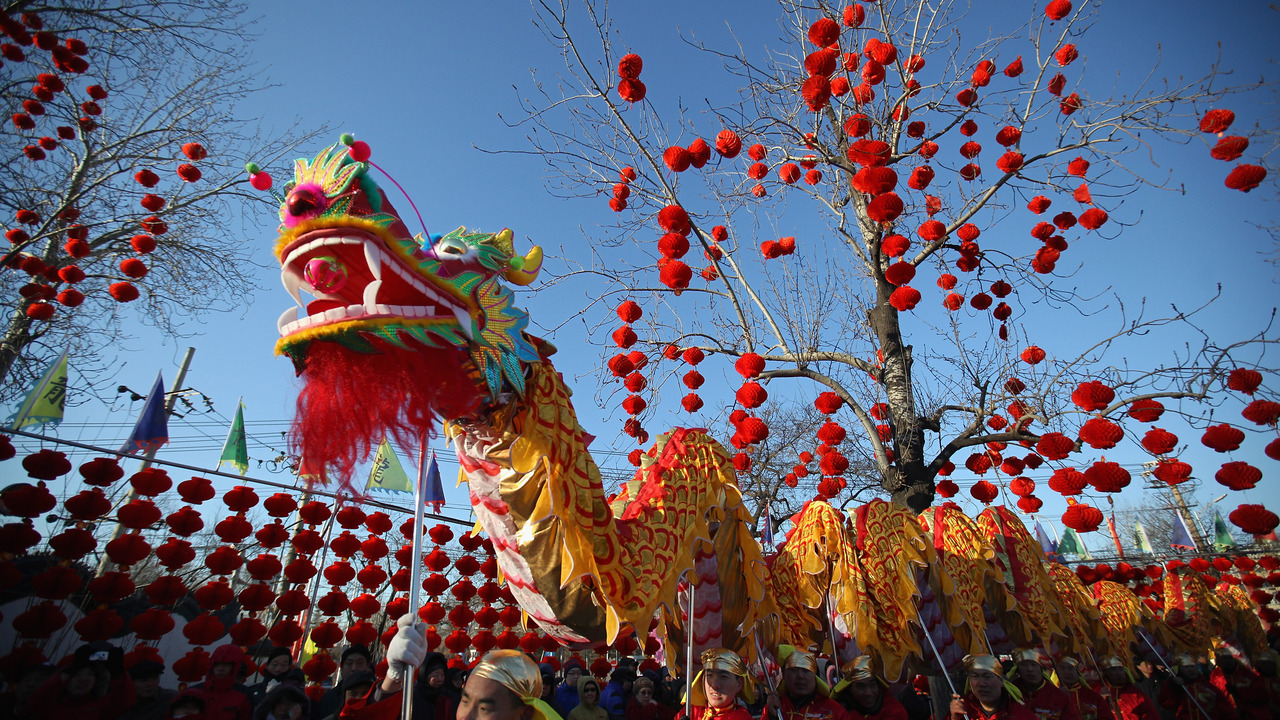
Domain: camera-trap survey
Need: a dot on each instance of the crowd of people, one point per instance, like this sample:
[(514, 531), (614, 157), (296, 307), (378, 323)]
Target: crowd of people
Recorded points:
[(94, 684)]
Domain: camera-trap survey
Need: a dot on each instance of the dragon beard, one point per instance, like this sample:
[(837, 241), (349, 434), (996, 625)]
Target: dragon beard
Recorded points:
[(350, 401)]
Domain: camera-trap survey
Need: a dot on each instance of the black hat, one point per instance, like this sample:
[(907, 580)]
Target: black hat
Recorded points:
[(278, 652), (356, 650), (364, 678), (86, 655), (145, 669)]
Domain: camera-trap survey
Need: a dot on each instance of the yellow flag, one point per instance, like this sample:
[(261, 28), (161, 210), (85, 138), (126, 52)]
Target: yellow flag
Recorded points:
[(46, 401), (387, 473)]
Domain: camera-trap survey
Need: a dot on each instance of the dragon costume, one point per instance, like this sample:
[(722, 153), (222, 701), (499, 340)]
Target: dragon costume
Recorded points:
[(407, 333)]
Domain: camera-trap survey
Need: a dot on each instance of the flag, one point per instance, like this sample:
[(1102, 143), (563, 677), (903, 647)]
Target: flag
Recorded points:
[(387, 474), (1222, 539), (766, 529), (236, 449), (47, 399), (1072, 545), (152, 429), (1050, 547), (435, 490), (1181, 539), (1141, 540), (1115, 536)]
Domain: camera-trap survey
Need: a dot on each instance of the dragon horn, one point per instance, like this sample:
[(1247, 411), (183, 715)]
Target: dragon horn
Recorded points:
[(524, 271)]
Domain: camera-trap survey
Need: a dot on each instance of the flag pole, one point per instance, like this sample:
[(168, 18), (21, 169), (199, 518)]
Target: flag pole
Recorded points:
[(105, 563), (415, 566)]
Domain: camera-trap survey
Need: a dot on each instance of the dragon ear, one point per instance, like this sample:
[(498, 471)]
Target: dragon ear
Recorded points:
[(523, 270)]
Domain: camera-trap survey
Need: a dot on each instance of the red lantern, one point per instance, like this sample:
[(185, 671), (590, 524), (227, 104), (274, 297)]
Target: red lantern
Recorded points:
[(350, 517), (457, 642), (71, 544), (46, 465), (280, 505), (101, 472), (56, 583), (1082, 518), (334, 602), (151, 481), (224, 561), (314, 513), (377, 523), (984, 491), (321, 665), (111, 587), (307, 542), (128, 549), (196, 490), (204, 629), (257, 597), (247, 631), (264, 567), (362, 632), (1254, 519), (166, 590), (193, 666), (213, 595), (152, 624), (292, 602), (233, 529), (300, 570), (272, 535), (326, 635), (99, 625), (285, 633), (371, 577), (175, 553)]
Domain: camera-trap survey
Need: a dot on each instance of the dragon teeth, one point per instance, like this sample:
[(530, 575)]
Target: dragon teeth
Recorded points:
[(464, 320), (286, 318), (292, 281), (371, 295), (373, 258)]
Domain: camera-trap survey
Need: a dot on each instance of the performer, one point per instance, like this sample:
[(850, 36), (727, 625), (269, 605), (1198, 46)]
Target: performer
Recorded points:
[(863, 694), (1130, 702), (801, 695), (1045, 699), (718, 687), (1241, 684), (1089, 704), (987, 696), (504, 685), (1209, 702), (1266, 661)]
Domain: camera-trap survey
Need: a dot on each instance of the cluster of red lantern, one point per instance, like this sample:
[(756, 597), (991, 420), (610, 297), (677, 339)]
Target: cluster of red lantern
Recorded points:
[(1243, 177), (628, 367)]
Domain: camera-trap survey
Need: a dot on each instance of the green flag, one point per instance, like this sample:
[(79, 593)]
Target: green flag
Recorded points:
[(236, 449), (1141, 540), (1070, 544), (1221, 535), (47, 399), (387, 474)]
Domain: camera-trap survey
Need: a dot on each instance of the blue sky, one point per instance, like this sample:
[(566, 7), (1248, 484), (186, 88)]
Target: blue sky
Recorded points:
[(424, 83)]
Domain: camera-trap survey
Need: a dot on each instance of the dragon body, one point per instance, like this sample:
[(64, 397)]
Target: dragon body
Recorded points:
[(408, 335)]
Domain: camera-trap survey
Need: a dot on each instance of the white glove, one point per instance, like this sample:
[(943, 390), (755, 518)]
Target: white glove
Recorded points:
[(407, 649)]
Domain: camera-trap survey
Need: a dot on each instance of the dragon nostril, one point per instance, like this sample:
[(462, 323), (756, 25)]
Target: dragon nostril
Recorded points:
[(302, 202)]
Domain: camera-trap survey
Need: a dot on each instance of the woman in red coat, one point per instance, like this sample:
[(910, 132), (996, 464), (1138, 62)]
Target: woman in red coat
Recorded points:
[(94, 686)]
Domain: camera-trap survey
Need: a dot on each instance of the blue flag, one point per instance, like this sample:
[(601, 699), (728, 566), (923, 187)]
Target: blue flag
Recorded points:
[(434, 495), (1049, 546), (766, 529), (152, 429), (1181, 539)]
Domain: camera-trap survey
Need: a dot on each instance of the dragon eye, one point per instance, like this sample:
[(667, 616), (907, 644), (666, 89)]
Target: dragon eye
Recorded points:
[(302, 201)]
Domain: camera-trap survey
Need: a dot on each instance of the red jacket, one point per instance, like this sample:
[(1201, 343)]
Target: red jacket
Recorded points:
[(1050, 702), (225, 698), (1008, 709), (1247, 691), (652, 711), (1089, 704), (890, 709), (1132, 703), (1176, 698), (818, 708)]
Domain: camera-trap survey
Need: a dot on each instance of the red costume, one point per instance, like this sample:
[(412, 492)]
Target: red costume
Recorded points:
[(733, 712), (1272, 686), (1050, 702), (651, 711), (1089, 704), (1246, 688), (1008, 709), (819, 707), (1133, 704), (1176, 698), (890, 709)]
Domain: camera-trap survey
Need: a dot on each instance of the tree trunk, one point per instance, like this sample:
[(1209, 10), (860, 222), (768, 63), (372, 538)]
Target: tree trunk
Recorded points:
[(16, 338), (905, 479)]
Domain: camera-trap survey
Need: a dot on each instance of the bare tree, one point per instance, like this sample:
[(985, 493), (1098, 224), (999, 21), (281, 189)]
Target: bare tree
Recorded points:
[(123, 174), (870, 124)]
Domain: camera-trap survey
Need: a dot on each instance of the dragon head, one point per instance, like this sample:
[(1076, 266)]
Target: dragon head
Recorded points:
[(399, 330), (341, 242)]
